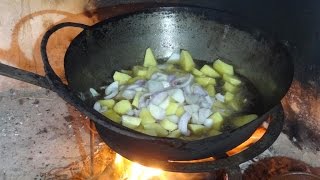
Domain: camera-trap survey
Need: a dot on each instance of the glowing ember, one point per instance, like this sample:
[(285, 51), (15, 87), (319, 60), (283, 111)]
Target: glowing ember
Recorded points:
[(135, 171)]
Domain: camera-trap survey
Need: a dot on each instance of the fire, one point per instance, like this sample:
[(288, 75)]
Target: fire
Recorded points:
[(254, 138), (135, 171)]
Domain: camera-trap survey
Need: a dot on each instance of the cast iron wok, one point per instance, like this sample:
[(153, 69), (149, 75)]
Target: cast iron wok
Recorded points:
[(119, 43)]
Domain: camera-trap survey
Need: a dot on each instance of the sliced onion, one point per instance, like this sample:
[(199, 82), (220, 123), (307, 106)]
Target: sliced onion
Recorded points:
[(112, 87), (198, 90), (133, 86), (131, 113), (220, 97), (165, 103), (208, 123), (173, 118), (165, 84), (159, 98), (159, 77), (174, 58), (128, 94), (195, 118), (140, 82), (93, 92), (183, 124), (154, 86), (112, 95), (191, 108), (171, 77), (157, 112), (192, 98), (177, 95), (97, 106), (182, 82), (187, 89), (204, 114)]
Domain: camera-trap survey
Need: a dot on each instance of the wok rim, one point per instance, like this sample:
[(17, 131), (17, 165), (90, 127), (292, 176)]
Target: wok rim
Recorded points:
[(92, 114)]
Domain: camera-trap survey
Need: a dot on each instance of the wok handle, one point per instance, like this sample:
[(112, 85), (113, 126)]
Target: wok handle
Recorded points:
[(23, 75), (50, 74)]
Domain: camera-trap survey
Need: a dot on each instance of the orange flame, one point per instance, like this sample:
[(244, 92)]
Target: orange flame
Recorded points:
[(134, 171)]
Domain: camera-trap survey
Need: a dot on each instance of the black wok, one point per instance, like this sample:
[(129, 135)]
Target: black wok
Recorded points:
[(120, 42)]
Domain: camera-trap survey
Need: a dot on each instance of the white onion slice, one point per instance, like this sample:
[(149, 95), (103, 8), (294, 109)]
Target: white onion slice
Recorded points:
[(173, 118), (165, 103), (191, 108), (165, 84), (154, 86), (208, 123), (112, 95), (196, 89), (93, 92), (97, 106), (159, 98), (133, 87), (157, 112), (195, 118), (204, 114), (177, 95), (128, 94), (220, 97), (174, 58), (112, 87), (159, 77), (192, 98), (187, 89), (182, 82), (183, 124), (130, 113)]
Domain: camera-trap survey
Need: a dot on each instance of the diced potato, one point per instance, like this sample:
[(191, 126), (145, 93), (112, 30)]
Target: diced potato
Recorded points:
[(133, 80), (213, 132), (139, 71), (196, 129), (180, 111), (217, 121), (174, 134), (122, 107), (229, 87), (168, 125), (204, 81), (242, 120), (149, 132), (112, 115), (161, 132), (109, 103), (228, 96), (130, 121), (146, 117), (172, 108), (196, 72), (151, 71), (209, 71), (235, 105), (222, 67), (232, 79), (186, 61), (149, 59), (211, 90), (170, 68), (127, 72), (121, 77), (136, 99)]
